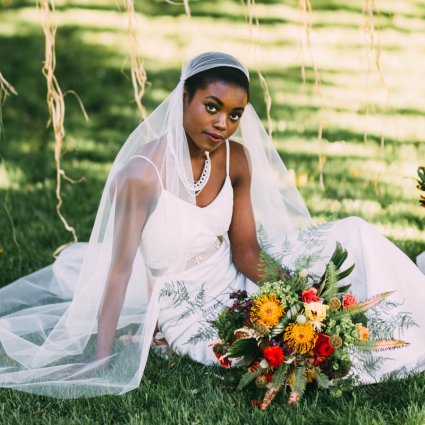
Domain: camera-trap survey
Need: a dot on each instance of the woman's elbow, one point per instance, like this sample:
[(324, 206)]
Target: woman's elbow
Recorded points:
[(246, 259)]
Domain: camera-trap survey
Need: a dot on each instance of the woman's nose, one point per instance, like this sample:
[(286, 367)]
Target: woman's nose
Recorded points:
[(220, 122)]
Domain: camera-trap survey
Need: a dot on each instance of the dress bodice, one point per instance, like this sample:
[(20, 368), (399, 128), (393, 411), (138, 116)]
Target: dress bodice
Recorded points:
[(178, 231)]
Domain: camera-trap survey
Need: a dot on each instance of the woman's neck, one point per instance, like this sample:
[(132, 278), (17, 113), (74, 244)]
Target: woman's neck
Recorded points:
[(194, 151)]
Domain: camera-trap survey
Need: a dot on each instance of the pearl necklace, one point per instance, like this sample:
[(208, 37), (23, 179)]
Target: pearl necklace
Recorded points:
[(198, 185)]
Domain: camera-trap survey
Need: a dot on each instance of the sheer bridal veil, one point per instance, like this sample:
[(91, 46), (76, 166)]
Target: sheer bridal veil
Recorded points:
[(51, 320)]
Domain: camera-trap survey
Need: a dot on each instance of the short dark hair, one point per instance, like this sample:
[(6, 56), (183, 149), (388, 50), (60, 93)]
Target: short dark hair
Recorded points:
[(225, 74)]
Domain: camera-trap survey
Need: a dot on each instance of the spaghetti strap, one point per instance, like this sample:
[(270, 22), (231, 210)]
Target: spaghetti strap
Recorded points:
[(227, 157), (153, 165)]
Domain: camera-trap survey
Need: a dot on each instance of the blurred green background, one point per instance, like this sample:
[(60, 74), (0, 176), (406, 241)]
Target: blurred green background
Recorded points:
[(360, 177)]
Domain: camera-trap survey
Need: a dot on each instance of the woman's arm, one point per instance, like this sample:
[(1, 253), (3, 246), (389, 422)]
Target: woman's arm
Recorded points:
[(242, 232), (133, 199)]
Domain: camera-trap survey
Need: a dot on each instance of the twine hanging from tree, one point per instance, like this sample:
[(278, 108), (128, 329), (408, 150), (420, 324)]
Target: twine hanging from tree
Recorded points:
[(370, 9), (56, 105), (6, 89), (305, 23), (373, 48), (138, 73), (252, 18), (185, 4)]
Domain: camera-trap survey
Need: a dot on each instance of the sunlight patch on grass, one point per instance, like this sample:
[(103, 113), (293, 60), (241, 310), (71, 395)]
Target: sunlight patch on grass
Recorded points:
[(4, 178), (399, 127), (399, 232), (11, 177), (340, 148)]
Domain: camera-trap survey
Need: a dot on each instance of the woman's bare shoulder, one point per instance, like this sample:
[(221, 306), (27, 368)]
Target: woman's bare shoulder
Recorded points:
[(239, 160), (142, 171), (239, 152)]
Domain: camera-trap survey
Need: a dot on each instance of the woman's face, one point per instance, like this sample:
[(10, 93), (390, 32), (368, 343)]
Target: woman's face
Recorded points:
[(212, 115)]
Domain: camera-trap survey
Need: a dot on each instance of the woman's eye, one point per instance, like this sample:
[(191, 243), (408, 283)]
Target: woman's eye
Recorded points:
[(235, 117), (210, 107)]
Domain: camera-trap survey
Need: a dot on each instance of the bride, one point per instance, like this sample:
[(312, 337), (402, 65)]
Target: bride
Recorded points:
[(195, 192)]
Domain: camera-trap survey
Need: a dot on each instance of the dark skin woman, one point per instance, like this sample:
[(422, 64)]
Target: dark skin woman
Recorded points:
[(213, 104)]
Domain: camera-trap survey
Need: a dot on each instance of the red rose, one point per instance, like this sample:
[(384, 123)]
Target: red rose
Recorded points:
[(319, 360), (274, 356), (224, 361), (349, 300), (268, 376), (322, 347), (310, 296)]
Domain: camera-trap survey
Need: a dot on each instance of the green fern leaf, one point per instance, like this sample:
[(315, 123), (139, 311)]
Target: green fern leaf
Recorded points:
[(248, 377), (322, 380), (280, 376), (300, 380)]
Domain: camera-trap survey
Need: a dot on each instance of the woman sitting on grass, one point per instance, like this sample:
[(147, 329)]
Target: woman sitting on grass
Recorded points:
[(192, 195)]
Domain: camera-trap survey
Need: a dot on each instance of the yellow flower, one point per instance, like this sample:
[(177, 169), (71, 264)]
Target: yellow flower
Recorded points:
[(267, 309), (291, 379), (315, 311), (300, 338), (310, 374)]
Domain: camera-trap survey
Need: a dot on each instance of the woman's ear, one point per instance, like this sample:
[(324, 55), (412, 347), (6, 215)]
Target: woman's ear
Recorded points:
[(185, 95)]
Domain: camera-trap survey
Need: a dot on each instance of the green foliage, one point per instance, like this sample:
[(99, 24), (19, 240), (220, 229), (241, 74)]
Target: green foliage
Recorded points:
[(248, 377), (281, 375), (225, 324), (328, 288), (321, 379), (271, 268), (283, 290), (300, 381), (328, 282), (246, 347)]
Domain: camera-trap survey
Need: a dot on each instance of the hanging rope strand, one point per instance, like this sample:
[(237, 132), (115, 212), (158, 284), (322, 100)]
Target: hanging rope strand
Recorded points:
[(374, 48), (6, 89), (305, 7), (55, 103), (138, 73), (253, 22)]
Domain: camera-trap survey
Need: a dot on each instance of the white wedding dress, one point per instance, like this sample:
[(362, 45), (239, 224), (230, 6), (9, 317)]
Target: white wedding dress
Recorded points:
[(190, 299), (187, 298)]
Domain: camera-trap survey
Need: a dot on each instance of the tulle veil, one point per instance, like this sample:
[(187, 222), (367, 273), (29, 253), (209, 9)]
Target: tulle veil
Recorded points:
[(49, 320)]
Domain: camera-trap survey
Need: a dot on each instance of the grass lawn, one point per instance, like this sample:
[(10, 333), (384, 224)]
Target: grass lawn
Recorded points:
[(360, 176)]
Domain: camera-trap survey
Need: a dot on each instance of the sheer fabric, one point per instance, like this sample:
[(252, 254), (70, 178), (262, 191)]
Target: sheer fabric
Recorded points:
[(53, 321)]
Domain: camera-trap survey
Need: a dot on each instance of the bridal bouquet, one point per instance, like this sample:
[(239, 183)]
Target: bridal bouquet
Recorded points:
[(296, 331)]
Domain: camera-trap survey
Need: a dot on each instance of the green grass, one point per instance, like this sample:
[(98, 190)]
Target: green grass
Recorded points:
[(179, 391), (360, 178)]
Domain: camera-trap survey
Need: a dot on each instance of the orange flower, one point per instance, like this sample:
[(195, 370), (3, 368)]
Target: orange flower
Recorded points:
[(363, 331), (300, 338), (267, 309)]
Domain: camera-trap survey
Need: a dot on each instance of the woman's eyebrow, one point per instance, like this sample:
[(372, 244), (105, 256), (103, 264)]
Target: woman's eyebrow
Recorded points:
[(221, 104)]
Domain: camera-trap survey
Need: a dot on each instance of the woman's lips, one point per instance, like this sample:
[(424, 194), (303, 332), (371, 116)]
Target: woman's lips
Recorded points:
[(214, 137)]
